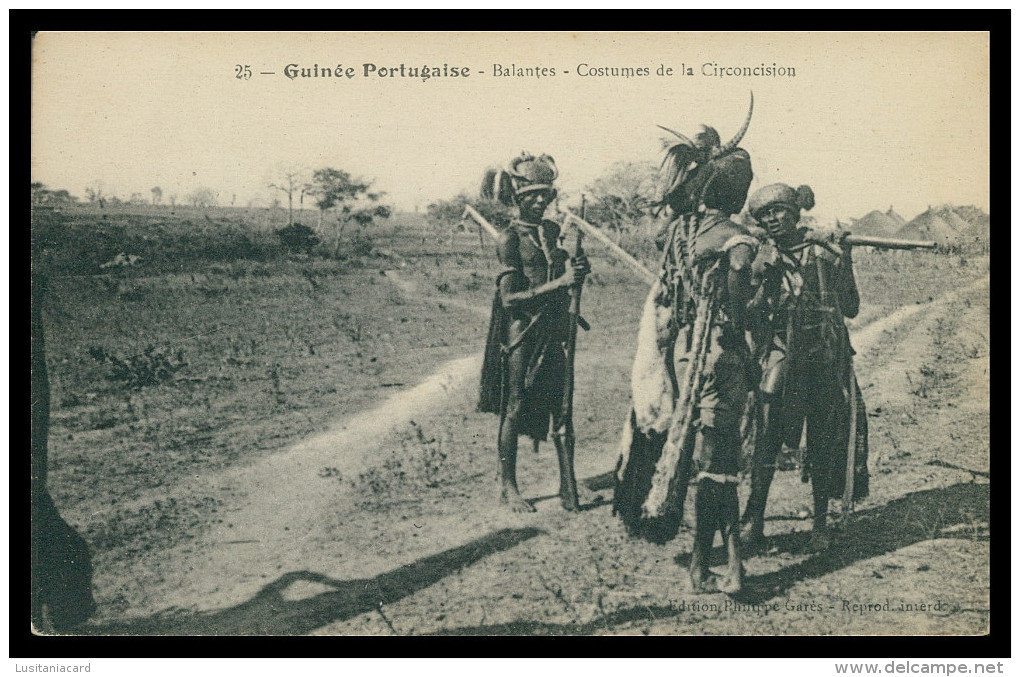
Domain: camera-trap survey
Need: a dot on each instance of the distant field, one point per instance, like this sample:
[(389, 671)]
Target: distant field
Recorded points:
[(273, 347)]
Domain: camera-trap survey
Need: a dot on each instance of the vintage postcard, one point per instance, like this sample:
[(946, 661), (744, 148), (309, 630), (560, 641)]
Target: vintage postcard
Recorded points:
[(550, 333)]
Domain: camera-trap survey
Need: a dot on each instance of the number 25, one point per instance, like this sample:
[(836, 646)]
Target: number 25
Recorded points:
[(243, 72)]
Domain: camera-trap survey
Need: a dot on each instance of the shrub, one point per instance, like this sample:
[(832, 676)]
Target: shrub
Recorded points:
[(360, 245), (298, 238), (152, 367)]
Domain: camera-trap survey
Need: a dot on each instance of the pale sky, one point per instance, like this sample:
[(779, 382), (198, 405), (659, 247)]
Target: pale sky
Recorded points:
[(870, 119)]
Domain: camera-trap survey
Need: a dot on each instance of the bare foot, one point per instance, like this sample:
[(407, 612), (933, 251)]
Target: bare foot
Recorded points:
[(513, 500), (732, 582), (820, 540), (752, 537), (586, 496), (704, 583), (569, 501)]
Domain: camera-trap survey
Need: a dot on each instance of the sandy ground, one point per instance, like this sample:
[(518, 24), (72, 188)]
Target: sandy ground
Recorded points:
[(386, 521)]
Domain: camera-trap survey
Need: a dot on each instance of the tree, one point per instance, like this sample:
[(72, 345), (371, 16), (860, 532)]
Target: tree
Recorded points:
[(202, 197), (157, 195), (291, 180), (352, 199), (94, 192), (620, 200), (620, 197), (42, 196)]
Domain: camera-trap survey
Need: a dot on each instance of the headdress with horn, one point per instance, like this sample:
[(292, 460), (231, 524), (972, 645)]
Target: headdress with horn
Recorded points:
[(705, 171)]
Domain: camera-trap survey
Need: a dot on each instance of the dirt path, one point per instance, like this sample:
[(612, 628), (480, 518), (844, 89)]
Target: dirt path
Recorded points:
[(300, 545)]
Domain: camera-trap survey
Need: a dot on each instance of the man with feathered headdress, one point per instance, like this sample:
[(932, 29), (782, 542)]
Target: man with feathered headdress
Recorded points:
[(805, 289), (523, 373), (690, 376)]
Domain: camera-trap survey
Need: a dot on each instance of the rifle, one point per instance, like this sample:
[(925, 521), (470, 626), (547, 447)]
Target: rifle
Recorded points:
[(887, 242), (565, 433), (876, 242)]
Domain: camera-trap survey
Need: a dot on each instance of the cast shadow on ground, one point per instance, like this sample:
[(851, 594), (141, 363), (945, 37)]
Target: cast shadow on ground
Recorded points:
[(592, 484), (270, 613), (956, 512), (960, 511), (942, 464)]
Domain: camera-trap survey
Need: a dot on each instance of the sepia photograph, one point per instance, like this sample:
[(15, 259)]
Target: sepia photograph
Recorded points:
[(510, 333)]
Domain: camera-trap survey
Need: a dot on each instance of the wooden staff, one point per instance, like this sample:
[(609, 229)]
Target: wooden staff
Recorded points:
[(669, 483), (851, 449)]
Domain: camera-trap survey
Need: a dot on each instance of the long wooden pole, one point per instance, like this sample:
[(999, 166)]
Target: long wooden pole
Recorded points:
[(634, 264), (586, 227), (473, 213)]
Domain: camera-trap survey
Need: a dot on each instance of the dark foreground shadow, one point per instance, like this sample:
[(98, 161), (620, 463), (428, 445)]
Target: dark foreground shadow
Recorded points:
[(953, 512), (270, 613)]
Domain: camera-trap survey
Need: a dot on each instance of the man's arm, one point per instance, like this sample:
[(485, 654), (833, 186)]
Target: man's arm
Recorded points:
[(514, 297), (846, 285), (738, 284)]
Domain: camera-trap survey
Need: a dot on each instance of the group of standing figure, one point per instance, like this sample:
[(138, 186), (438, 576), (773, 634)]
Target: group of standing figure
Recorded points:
[(743, 330), (734, 317)]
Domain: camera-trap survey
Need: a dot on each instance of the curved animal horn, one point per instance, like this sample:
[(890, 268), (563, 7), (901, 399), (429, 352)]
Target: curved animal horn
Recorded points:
[(730, 145), (678, 135)]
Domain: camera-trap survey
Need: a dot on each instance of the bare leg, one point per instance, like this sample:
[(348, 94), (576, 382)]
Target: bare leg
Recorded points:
[(823, 425), (820, 539), (568, 482), (705, 522), (509, 494), (733, 580), (763, 468)]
